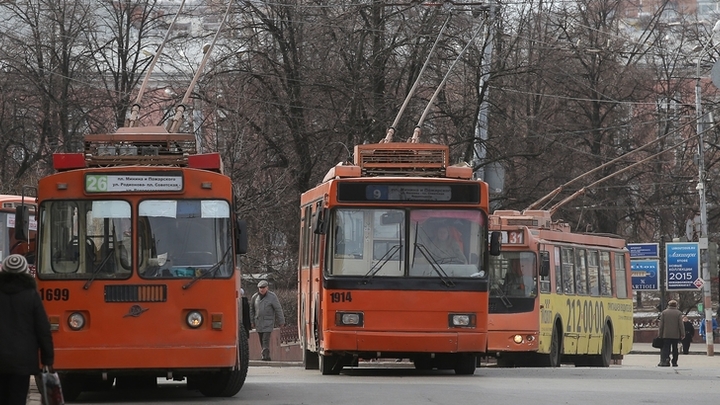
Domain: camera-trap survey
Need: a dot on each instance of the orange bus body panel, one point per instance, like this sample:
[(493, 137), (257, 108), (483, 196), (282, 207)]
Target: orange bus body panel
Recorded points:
[(415, 321), (157, 338)]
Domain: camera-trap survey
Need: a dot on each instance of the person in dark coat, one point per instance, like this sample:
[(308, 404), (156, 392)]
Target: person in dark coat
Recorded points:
[(689, 334), (670, 330), (265, 314), (24, 331)]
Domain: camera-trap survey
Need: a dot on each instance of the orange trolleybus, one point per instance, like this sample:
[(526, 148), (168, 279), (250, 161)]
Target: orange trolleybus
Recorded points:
[(557, 296), (9, 244), (374, 282), (136, 264)]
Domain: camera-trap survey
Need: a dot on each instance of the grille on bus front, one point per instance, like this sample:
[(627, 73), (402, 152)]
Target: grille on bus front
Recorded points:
[(135, 293)]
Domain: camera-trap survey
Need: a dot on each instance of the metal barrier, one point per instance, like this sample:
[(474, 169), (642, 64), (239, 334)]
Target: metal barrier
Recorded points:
[(289, 334)]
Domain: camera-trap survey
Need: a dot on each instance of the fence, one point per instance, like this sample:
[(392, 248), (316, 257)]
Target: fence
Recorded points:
[(646, 328)]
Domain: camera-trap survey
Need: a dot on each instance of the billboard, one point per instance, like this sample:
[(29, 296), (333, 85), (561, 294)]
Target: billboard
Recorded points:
[(683, 266), (645, 275)]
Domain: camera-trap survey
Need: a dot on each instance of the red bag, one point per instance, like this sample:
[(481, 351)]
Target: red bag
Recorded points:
[(50, 389)]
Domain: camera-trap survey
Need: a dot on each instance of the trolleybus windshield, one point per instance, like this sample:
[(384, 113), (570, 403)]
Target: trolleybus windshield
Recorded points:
[(513, 274), (175, 238), (184, 238), (86, 239), (385, 242)]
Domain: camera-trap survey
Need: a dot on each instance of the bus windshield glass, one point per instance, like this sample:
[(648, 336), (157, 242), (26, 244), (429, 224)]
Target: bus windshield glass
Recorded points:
[(184, 238), (512, 274), (85, 239), (383, 242)]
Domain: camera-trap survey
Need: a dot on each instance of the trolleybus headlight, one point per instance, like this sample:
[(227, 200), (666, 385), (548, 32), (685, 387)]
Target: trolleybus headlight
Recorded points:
[(349, 319), (76, 321), (462, 320), (517, 339), (194, 319)]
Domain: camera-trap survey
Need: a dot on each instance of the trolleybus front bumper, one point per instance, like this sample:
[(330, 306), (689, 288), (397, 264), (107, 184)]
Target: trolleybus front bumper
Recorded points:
[(418, 342)]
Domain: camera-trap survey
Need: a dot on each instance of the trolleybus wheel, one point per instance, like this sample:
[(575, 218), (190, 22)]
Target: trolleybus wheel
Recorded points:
[(465, 364), (423, 362), (310, 360), (95, 382), (505, 360), (605, 357), (228, 383), (330, 365), (555, 348), (71, 385)]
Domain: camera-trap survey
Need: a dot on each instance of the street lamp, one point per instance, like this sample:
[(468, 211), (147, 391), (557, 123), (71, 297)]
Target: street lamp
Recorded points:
[(703, 203)]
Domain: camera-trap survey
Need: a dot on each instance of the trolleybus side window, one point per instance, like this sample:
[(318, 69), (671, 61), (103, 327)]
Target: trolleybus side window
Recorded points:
[(306, 235), (568, 276), (620, 274), (315, 239), (185, 238), (557, 271), (605, 275), (593, 273), (580, 272), (544, 281)]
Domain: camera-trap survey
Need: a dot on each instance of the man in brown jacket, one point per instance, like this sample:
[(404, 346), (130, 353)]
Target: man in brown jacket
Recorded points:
[(670, 330)]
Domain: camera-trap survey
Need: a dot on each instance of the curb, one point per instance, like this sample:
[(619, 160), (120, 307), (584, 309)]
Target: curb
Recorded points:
[(33, 397)]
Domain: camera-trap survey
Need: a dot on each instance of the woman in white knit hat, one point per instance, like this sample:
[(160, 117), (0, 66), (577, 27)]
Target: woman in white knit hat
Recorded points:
[(25, 331)]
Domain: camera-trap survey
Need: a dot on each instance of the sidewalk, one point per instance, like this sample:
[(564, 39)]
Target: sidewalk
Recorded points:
[(33, 394)]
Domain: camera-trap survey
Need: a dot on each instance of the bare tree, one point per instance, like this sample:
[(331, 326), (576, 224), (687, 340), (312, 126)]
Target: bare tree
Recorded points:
[(44, 55)]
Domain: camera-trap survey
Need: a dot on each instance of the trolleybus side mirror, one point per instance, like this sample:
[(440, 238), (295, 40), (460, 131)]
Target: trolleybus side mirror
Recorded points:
[(544, 264), (241, 237), (321, 222), (495, 243), (22, 222)]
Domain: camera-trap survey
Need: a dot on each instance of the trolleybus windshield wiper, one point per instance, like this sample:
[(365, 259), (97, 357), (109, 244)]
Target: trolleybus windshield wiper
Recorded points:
[(97, 269), (434, 264), (209, 271), (503, 297), (380, 263)]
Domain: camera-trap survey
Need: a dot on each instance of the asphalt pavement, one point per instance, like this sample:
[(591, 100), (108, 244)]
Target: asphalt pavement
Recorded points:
[(698, 356)]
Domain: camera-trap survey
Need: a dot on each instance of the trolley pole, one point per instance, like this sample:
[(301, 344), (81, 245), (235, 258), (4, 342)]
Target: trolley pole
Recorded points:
[(707, 298)]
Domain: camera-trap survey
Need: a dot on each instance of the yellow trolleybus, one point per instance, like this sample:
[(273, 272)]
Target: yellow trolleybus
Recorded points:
[(557, 296)]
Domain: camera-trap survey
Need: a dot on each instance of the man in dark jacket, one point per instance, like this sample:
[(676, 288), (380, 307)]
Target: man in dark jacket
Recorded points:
[(670, 330), (25, 331)]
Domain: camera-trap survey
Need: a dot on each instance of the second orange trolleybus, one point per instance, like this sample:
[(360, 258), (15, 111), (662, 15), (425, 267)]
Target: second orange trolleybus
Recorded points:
[(374, 281)]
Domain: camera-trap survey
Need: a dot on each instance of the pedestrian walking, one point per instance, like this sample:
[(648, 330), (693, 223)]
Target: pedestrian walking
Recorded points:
[(24, 331), (265, 313), (689, 334), (670, 330)]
